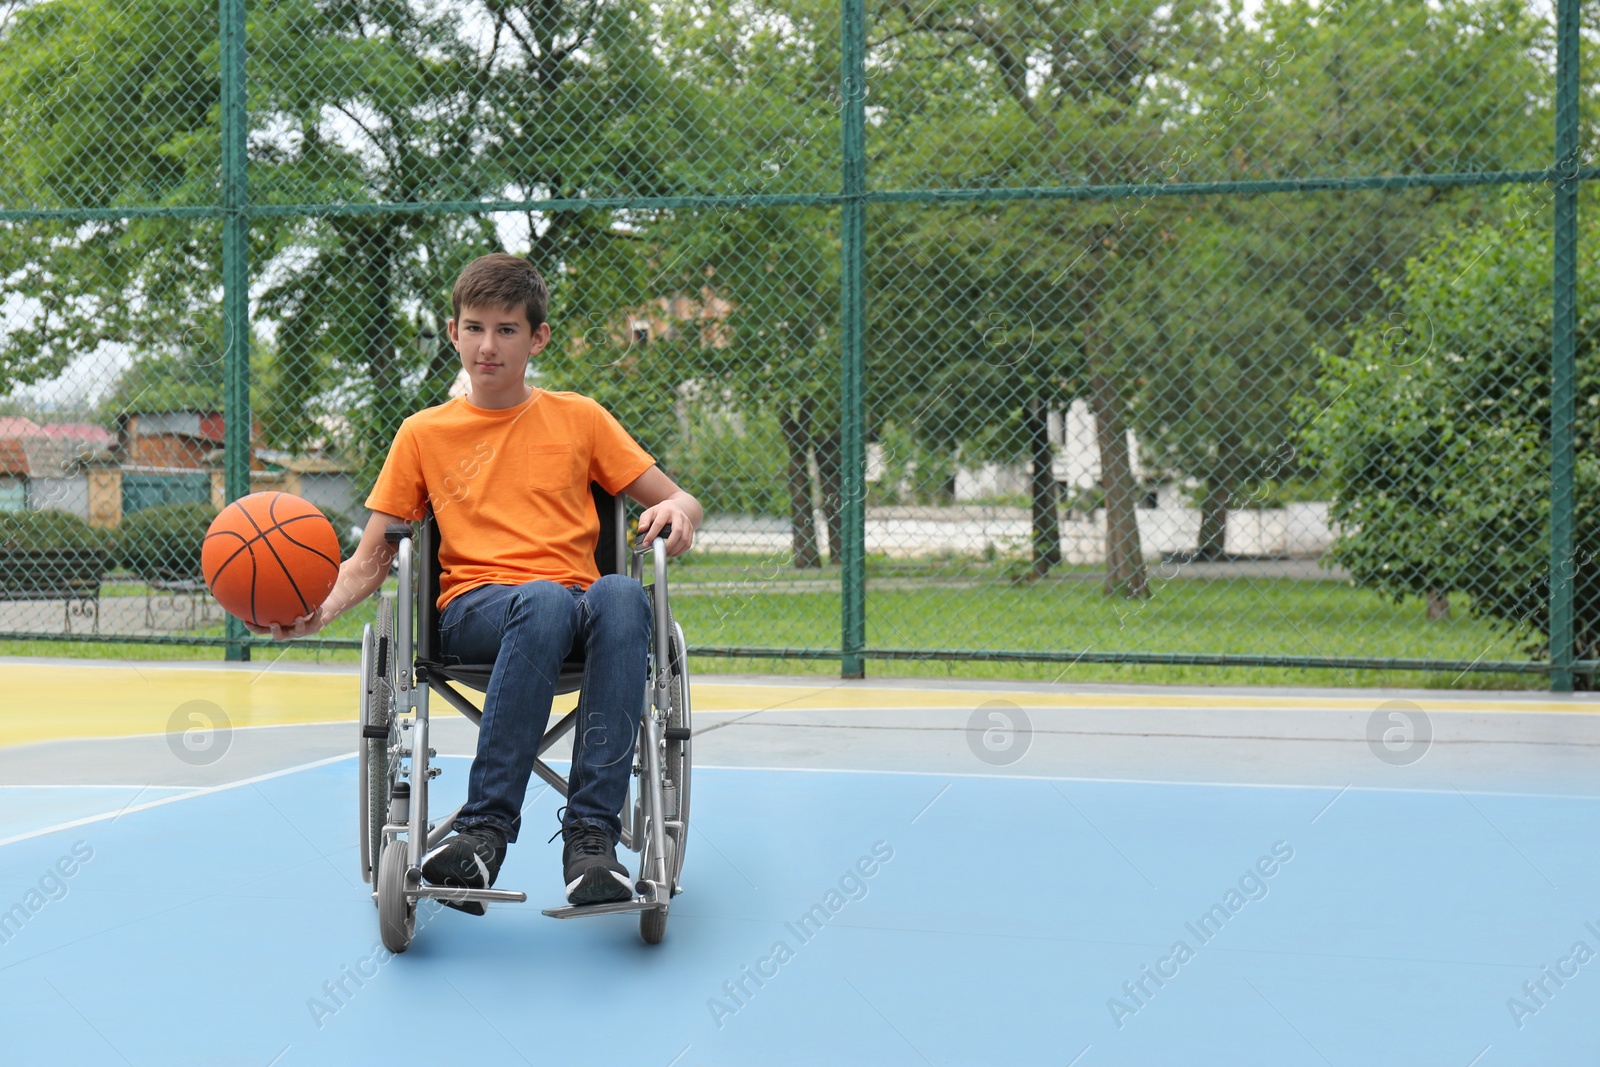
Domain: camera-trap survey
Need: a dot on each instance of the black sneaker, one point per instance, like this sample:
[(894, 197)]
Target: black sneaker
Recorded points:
[(593, 874), (470, 858)]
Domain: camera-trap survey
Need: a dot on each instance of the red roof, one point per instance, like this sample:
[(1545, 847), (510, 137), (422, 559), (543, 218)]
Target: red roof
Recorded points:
[(23, 443), (78, 431)]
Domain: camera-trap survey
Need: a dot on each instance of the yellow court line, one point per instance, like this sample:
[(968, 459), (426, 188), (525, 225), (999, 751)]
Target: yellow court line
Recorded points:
[(57, 702), (48, 703)]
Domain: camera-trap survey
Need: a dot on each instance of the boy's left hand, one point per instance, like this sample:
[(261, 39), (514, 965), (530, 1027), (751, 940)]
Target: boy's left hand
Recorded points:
[(667, 513)]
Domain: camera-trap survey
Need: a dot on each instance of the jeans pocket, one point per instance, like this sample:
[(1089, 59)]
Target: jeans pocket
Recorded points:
[(448, 628)]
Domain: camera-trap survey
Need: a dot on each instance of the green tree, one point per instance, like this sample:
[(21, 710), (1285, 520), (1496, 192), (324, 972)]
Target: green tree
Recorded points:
[(1231, 313), (1196, 318), (108, 105), (973, 340), (541, 109), (1047, 94), (351, 104), (753, 111)]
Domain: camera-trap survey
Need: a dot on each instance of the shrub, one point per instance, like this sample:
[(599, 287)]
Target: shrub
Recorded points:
[(163, 543), (1434, 435), (21, 530)]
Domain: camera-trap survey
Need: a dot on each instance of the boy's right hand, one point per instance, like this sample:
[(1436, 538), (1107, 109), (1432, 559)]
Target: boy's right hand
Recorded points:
[(304, 626)]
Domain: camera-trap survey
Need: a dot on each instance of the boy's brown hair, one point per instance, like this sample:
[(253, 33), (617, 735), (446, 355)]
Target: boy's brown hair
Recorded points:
[(501, 281)]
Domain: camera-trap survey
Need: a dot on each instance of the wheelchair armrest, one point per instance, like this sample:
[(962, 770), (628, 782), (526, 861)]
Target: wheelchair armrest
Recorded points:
[(661, 535), (658, 546), (395, 532)]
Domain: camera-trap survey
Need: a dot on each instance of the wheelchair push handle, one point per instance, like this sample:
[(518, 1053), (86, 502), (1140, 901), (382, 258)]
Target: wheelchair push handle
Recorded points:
[(395, 532)]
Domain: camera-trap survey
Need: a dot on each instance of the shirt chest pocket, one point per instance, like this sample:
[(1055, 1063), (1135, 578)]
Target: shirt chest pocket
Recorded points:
[(551, 468)]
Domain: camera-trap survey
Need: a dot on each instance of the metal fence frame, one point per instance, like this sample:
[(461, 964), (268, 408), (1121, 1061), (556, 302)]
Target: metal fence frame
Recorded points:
[(236, 211)]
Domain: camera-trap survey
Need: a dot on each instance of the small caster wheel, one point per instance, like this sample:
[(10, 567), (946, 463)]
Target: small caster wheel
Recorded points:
[(397, 916), (653, 925)]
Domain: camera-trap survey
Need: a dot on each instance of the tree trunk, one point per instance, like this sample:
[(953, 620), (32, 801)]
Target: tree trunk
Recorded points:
[(802, 522), (1042, 490), (1213, 522), (830, 470), (1124, 555), (377, 250), (1222, 482), (1438, 605)]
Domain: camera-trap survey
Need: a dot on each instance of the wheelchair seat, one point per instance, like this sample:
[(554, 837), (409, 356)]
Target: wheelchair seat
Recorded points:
[(610, 557)]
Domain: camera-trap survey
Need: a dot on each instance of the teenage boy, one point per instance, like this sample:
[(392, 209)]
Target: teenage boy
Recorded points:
[(507, 470)]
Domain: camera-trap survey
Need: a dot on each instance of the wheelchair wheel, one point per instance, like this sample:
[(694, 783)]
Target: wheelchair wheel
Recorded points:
[(653, 925), (369, 861), (677, 763), (675, 767), (397, 916), (381, 750), (653, 921)]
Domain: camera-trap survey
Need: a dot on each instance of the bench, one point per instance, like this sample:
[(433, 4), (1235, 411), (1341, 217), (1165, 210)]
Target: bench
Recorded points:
[(179, 601), (71, 575)]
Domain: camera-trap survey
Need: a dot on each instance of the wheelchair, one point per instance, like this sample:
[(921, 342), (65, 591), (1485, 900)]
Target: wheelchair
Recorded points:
[(401, 667)]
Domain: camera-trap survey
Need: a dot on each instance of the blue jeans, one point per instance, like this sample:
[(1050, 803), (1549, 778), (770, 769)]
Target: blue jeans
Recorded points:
[(526, 631)]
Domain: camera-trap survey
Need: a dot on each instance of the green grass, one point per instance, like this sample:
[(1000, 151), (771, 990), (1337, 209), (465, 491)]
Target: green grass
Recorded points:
[(731, 567), (1263, 616), (1266, 616)]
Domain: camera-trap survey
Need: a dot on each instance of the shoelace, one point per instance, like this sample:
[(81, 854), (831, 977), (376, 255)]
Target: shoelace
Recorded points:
[(585, 840)]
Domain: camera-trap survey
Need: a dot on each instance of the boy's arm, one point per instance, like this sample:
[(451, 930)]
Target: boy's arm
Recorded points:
[(664, 504), (359, 577)]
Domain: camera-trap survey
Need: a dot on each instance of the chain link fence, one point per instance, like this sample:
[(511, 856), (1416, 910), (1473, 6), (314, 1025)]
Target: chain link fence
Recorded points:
[(1043, 339)]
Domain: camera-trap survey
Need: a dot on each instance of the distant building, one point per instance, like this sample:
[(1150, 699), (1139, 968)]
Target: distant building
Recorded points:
[(702, 318), (167, 457), (172, 440), (154, 458), (175, 457), (67, 466), (323, 481)]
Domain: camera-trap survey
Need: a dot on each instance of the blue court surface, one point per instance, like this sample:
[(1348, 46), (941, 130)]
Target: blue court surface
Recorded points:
[(876, 917)]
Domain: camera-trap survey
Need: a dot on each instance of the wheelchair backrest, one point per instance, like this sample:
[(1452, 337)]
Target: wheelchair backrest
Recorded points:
[(610, 556)]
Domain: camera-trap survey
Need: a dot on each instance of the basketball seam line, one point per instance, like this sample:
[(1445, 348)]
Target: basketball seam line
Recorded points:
[(262, 537), (245, 545)]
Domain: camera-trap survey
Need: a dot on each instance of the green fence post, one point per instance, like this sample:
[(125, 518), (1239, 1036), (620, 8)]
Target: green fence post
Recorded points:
[(853, 219), (1563, 347), (235, 277)]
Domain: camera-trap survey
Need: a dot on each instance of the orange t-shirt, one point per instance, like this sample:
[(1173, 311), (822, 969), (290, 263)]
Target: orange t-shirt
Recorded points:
[(510, 488)]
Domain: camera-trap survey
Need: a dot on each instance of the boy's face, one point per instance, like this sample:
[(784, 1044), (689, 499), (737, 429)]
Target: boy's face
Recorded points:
[(495, 346)]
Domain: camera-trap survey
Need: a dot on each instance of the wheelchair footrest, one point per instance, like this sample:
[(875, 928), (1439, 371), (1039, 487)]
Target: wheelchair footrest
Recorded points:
[(488, 896), (581, 911)]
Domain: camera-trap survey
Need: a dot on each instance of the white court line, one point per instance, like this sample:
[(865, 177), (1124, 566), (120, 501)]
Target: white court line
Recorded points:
[(156, 666), (200, 791), (205, 790), (1182, 709), (167, 733), (448, 712), (96, 785), (821, 685), (866, 711), (878, 685), (1143, 781)]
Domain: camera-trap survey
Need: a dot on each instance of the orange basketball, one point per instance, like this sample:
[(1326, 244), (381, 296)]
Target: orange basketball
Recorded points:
[(270, 558)]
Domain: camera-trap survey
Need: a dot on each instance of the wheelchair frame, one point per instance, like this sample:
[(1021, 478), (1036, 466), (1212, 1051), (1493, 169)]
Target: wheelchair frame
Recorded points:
[(394, 754)]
